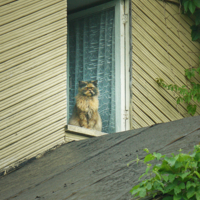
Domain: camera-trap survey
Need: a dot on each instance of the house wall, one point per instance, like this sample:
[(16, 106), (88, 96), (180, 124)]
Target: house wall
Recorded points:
[(161, 48), (33, 78)]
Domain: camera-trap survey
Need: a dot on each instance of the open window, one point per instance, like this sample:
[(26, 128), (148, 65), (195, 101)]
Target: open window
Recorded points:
[(98, 49)]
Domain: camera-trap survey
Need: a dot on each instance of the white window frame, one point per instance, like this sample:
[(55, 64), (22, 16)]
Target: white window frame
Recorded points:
[(122, 61)]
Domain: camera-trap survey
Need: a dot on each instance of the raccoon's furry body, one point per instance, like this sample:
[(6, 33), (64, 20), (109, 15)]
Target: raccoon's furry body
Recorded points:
[(85, 113)]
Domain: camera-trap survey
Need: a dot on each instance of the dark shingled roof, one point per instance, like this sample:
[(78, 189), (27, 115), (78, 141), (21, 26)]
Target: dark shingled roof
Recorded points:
[(96, 169)]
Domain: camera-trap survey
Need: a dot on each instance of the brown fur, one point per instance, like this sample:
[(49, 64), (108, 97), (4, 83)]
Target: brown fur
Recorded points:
[(85, 113)]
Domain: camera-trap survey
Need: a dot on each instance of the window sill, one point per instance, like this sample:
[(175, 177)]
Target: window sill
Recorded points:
[(78, 133)]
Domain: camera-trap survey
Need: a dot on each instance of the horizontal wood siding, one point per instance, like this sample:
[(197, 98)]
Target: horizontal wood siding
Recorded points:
[(161, 48), (32, 79)]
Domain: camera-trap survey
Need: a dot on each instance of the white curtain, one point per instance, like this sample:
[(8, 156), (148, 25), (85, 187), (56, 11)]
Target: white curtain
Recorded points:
[(92, 57)]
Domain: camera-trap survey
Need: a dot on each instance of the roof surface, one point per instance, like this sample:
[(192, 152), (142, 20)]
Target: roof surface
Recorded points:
[(96, 169)]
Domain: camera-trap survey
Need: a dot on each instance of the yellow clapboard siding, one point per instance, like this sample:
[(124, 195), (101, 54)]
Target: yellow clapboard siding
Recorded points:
[(9, 8), (25, 104), (28, 10), (173, 24), (134, 123), (143, 115), (32, 17), (33, 78), (32, 91), (37, 70), (34, 123), (150, 68), (34, 53), (35, 62), (14, 34), (174, 10), (4, 2), (155, 98), (141, 68), (30, 83), (158, 16), (29, 151), (34, 137), (158, 53), (140, 121), (33, 109), (22, 39), (160, 61), (137, 93), (33, 44), (146, 110), (174, 47), (141, 35)]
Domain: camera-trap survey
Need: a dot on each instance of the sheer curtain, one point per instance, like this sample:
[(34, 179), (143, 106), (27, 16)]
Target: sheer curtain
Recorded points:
[(92, 57)]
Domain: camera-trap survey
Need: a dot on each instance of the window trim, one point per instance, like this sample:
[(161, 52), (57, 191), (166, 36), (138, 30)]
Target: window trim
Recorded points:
[(122, 63)]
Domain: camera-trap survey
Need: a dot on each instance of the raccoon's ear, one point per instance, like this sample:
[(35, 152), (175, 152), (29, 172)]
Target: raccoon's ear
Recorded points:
[(82, 83), (95, 83)]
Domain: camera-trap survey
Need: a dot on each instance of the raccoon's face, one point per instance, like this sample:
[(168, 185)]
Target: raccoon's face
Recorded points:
[(88, 88)]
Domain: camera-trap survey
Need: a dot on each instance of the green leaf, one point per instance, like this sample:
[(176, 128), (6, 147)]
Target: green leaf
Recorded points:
[(183, 175), (197, 15), (197, 156), (186, 5), (171, 177), (192, 7), (195, 32), (158, 175), (190, 192), (198, 195), (148, 158), (191, 109), (158, 185), (170, 187), (142, 192), (149, 186), (197, 173), (170, 160), (178, 100), (177, 197), (177, 190), (190, 184), (157, 155), (182, 185), (197, 3), (165, 178), (135, 189)]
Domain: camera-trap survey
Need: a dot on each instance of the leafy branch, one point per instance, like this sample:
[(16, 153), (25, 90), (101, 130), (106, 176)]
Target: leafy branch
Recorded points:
[(185, 94), (174, 178)]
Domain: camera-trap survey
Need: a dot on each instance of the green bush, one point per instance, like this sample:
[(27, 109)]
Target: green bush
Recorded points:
[(185, 94), (174, 178)]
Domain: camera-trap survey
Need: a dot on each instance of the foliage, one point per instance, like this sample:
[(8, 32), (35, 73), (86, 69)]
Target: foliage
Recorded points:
[(176, 177), (185, 94), (191, 7)]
